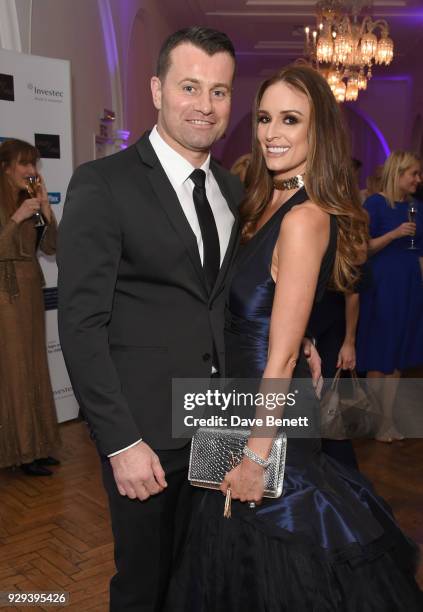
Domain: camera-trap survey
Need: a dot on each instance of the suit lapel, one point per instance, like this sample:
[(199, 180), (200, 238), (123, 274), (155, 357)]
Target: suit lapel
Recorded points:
[(169, 201), (233, 240)]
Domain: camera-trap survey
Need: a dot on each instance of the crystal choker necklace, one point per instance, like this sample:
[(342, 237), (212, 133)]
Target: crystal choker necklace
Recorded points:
[(295, 182)]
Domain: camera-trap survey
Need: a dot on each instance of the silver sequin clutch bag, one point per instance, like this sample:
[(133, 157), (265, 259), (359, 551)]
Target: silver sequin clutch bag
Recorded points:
[(214, 452)]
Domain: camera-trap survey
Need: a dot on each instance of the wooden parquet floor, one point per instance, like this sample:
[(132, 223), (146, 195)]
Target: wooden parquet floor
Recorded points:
[(55, 533)]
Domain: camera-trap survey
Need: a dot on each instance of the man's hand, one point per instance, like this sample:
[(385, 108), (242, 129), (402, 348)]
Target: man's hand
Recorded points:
[(138, 472), (315, 365)]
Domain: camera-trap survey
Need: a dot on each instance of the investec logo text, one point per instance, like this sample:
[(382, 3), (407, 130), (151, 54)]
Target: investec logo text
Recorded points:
[(56, 94), (54, 198)]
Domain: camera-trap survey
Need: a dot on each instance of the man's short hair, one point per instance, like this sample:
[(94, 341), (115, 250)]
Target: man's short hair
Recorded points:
[(208, 40)]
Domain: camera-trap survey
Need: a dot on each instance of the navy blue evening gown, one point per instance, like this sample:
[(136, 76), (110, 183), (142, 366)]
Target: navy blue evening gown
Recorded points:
[(329, 543)]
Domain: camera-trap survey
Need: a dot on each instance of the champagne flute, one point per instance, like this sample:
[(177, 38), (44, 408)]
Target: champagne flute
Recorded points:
[(32, 185), (412, 214)]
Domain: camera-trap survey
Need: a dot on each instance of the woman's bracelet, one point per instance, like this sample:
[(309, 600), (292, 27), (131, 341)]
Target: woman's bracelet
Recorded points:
[(256, 458)]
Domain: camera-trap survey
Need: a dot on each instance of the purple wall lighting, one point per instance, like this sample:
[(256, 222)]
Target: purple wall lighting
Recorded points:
[(375, 129)]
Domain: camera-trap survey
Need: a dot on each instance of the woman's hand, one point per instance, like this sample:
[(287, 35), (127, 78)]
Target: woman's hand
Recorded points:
[(405, 229), (26, 210), (43, 197), (346, 356), (246, 481)]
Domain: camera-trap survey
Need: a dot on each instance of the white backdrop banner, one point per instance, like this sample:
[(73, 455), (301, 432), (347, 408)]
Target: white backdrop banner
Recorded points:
[(35, 105)]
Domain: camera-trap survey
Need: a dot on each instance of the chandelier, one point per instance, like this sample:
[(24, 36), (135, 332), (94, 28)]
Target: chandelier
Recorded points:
[(344, 45)]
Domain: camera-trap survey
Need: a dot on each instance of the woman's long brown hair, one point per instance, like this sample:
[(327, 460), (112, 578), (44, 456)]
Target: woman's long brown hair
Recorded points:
[(329, 180), (12, 151)]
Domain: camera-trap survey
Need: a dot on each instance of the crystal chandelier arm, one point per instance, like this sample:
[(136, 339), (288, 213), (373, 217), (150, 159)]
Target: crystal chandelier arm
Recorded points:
[(366, 25), (344, 25), (380, 23)]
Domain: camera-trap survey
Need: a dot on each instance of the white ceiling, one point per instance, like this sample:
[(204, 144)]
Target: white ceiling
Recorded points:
[(269, 33)]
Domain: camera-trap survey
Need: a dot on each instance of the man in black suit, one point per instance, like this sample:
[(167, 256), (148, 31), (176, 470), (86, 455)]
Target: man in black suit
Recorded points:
[(145, 245)]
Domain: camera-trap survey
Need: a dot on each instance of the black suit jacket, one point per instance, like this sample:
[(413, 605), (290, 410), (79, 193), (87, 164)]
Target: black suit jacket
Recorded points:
[(133, 305)]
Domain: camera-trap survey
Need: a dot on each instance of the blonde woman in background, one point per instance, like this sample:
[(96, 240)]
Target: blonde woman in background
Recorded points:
[(390, 333)]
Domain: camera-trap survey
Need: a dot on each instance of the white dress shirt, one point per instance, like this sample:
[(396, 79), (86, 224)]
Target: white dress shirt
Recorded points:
[(178, 171)]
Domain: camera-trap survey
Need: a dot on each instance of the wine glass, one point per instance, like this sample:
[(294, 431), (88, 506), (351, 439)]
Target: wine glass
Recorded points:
[(412, 214), (32, 184)]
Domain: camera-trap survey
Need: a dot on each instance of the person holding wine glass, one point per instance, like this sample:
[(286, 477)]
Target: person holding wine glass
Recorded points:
[(390, 332), (28, 424)]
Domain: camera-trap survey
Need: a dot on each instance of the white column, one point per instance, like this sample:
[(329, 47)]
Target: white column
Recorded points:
[(109, 37), (10, 36)]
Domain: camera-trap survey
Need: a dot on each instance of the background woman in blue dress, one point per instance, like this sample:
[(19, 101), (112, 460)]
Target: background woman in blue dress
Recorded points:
[(390, 334)]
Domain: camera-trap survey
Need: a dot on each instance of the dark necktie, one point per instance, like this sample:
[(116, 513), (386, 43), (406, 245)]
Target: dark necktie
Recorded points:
[(211, 248)]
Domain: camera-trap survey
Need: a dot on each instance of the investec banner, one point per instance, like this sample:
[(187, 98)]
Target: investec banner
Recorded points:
[(35, 105)]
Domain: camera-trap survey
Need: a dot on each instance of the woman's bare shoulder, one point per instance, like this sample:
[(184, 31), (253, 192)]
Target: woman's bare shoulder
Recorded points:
[(308, 216)]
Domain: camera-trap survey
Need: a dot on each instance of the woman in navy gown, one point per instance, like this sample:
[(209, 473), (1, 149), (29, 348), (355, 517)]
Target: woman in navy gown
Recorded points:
[(390, 333), (329, 543)]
